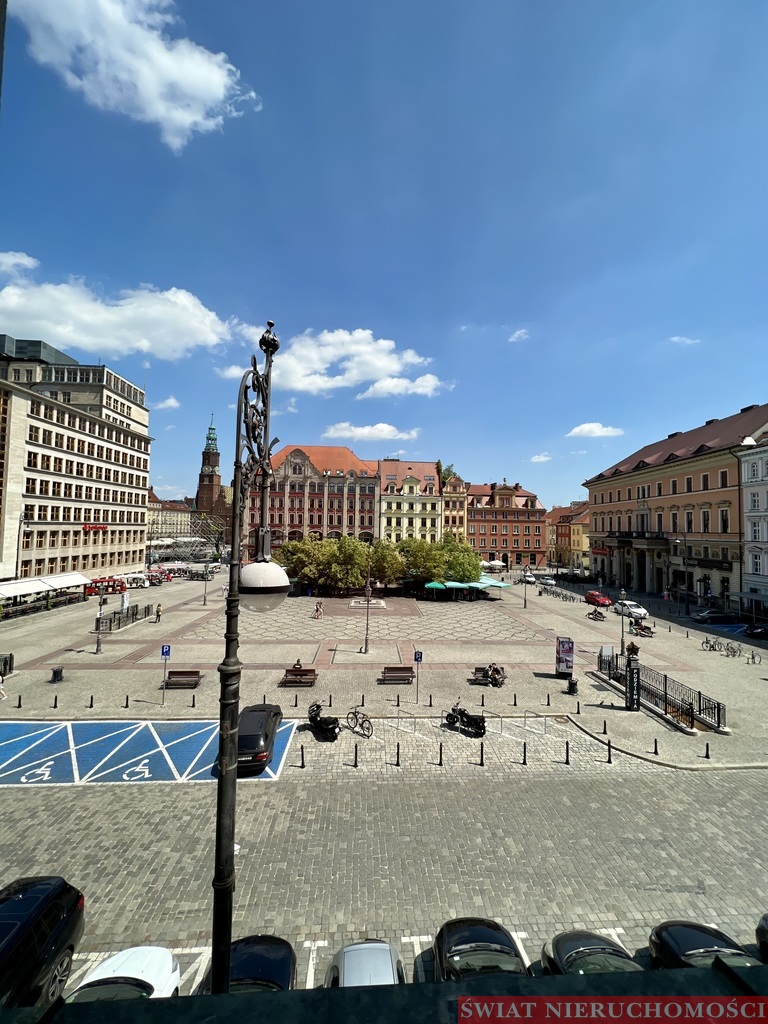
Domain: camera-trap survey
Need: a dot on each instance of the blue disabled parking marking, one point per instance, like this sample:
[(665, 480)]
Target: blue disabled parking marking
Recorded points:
[(118, 751)]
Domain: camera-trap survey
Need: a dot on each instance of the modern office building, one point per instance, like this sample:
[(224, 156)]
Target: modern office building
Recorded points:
[(74, 465)]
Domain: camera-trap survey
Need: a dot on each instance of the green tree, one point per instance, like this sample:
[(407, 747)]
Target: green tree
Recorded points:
[(423, 561), (387, 564), (348, 567), (462, 563)]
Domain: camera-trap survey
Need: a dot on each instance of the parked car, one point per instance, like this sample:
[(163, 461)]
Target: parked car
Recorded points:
[(631, 608), (598, 599), (688, 944), (761, 937), (258, 963), (547, 581), (256, 733), (42, 920), (528, 577), (583, 952), (468, 946), (370, 962), (713, 617), (142, 972), (756, 631)]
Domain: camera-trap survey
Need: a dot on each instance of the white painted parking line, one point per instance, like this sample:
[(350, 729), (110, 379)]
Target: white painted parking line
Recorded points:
[(200, 966), (519, 936), (312, 947), (416, 941), (614, 934)]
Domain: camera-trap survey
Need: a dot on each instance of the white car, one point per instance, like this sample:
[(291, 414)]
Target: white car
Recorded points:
[(370, 962), (631, 608), (528, 578), (142, 972), (547, 581)]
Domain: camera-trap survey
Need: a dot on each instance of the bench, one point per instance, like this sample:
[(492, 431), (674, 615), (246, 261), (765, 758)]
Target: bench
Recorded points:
[(397, 674), (479, 675), (299, 677), (183, 679)]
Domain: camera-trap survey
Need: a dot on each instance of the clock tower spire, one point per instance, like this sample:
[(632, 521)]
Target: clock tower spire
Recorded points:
[(209, 480)]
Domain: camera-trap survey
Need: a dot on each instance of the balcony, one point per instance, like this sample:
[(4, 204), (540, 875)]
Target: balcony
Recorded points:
[(646, 538)]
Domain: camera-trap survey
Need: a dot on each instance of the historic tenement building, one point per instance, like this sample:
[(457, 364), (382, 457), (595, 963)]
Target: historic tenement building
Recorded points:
[(411, 506), (506, 523), (669, 517)]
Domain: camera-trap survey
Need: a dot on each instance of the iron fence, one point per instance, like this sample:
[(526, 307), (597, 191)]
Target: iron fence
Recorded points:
[(674, 698)]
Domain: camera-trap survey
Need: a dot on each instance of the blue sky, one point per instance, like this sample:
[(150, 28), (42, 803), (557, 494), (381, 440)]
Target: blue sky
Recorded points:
[(525, 238)]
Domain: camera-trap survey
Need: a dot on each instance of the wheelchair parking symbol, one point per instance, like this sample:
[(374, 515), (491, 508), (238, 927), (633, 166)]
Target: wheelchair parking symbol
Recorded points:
[(41, 774), (138, 771)]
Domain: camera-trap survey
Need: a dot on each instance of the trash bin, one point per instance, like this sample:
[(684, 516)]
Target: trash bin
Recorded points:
[(57, 675), (6, 664), (573, 686)]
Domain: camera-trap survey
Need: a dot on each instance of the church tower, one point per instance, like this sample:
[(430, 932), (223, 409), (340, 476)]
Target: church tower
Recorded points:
[(209, 480)]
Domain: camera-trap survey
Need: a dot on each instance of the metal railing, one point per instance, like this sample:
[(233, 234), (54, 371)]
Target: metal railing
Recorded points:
[(117, 620), (670, 696)]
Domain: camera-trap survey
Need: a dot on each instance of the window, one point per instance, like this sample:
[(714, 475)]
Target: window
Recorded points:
[(754, 500), (724, 521), (689, 483), (673, 486), (723, 477), (753, 471), (705, 520), (705, 481), (754, 530), (756, 564), (659, 491)]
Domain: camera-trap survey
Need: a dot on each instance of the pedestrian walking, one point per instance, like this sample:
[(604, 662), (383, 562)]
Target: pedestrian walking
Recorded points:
[(158, 612), (3, 694), (319, 609), (316, 614)]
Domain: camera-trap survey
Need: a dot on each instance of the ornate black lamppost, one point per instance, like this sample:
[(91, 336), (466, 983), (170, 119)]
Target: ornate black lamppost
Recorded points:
[(623, 597), (262, 585), (367, 602), (100, 588), (684, 542)]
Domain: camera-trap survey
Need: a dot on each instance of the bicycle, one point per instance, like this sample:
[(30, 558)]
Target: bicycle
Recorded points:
[(753, 658), (711, 645), (358, 720), (733, 650)]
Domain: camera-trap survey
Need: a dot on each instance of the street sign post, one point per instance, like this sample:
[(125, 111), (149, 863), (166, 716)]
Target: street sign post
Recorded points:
[(165, 653), (417, 657)]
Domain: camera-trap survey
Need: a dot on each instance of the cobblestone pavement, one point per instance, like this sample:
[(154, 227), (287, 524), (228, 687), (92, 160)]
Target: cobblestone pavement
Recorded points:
[(331, 853)]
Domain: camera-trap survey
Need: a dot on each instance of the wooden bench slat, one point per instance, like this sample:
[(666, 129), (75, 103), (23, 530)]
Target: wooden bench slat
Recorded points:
[(299, 677), (179, 678), (397, 673)]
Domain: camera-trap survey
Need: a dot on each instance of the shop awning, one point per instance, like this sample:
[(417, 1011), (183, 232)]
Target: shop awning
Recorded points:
[(20, 588), (65, 580), (434, 585)]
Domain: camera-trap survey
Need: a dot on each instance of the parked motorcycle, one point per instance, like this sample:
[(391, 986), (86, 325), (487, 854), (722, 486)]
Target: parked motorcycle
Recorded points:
[(596, 615), (325, 727), (459, 718)]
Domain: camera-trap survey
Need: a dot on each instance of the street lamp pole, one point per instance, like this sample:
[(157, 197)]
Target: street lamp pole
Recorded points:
[(622, 597), (685, 568), (525, 591), (367, 602), (205, 587), (262, 585), (100, 589)]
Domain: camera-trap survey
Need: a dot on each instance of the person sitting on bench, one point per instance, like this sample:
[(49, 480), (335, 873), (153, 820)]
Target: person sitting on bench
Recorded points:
[(298, 663), (493, 671)]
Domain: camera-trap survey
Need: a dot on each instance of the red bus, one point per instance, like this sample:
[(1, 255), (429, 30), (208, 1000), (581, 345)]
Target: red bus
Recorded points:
[(111, 585)]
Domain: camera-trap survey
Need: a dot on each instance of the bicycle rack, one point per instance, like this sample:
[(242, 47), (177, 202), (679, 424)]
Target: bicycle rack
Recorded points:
[(495, 714), (409, 715), (534, 714)]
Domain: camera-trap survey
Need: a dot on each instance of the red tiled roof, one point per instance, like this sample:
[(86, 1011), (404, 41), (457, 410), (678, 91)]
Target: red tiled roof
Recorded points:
[(714, 435), (400, 469), (328, 457)]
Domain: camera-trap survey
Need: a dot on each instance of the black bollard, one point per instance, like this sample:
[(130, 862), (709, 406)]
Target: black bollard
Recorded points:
[(482, 754), (397, 705), (91, 704), (302, 756), (670, 629), (430, 700), (686, 634), (567, 751), (514, 700), (19, 703), (482, 700), (194, 700), (355, 765), (362, 700), (330, 700), (56, 703), (264, 699), (295, 700), (397, 757), (578, 707), (610, 753), (605, 727), (656, 747), (549, 701), (126, 700), (440, 757), (706, 752), (525, 753)]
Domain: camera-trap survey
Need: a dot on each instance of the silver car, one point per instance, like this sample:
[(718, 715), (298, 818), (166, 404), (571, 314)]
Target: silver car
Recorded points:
[(365, 963)]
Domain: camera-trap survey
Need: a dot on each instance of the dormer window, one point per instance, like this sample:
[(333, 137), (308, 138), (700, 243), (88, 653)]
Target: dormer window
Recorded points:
[(297, 469)]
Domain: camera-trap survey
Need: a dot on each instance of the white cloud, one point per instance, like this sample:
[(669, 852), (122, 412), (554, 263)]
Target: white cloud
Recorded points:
[(583, 451), (291, 406), (594, 430), (165, 324), (376, 432), (543, 457), (519, 335), (121, 56), (171, 426), (13, 263), (146, 365), (168, 403), (680, 339), (428, 384), (232, 372)]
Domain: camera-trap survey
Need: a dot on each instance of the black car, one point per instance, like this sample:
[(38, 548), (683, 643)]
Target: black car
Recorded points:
[(688, 944), (256, 733), (259, 963), (42, 920), (468, 946), (761, 937), (712, 617), (583, 952), (756, 630)]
